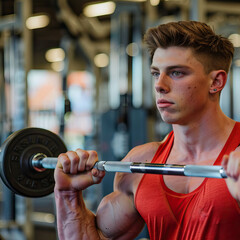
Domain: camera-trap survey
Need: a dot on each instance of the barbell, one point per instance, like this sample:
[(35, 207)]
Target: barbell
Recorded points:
[(29, 156)]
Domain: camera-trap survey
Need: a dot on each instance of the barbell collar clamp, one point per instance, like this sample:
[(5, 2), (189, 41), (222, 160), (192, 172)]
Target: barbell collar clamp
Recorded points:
[(40, 162), (36, 162)]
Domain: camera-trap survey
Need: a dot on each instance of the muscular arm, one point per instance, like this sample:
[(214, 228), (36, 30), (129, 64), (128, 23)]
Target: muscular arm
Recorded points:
[(116, 217), (74, 220)]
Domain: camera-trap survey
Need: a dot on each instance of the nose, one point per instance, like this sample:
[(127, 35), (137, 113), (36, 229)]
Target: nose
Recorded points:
[(162, 83)]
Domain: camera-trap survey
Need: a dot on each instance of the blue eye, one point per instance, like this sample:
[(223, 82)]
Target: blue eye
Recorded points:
[(177, 73), (155, 74)]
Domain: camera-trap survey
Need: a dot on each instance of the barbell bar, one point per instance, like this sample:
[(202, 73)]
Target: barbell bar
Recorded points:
[(42, 162), (29, 156)]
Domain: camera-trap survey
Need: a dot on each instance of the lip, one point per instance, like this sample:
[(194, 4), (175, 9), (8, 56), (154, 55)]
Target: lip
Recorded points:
[(163, 103)]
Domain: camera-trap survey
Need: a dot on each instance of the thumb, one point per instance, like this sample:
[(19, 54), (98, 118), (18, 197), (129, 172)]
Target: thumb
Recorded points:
[(225, 161), (97, 175)]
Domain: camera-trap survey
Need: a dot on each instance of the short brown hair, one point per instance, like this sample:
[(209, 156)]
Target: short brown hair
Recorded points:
[(213, 51)]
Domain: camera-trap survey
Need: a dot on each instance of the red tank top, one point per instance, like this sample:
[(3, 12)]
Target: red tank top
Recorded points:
[(209, 212)]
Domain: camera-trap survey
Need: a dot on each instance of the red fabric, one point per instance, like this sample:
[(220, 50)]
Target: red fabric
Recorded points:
[(209, 212)]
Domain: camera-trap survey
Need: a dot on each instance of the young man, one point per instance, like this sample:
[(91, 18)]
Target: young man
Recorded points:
[(189, 65)]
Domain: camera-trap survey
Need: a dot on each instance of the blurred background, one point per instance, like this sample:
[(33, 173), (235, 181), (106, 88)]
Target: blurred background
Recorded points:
[(79, 68)]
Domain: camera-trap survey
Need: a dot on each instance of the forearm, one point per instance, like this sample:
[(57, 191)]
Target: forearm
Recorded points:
[(74, 220)]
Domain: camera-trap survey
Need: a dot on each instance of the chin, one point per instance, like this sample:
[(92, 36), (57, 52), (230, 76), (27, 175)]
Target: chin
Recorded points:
[(169, 120), (172, 117)]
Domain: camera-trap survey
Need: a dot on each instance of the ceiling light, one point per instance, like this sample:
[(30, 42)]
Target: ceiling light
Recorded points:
[(55, 55), (132, 49), (99, 9), (154, 2), (235, 39), (101, 60), (39, 21)]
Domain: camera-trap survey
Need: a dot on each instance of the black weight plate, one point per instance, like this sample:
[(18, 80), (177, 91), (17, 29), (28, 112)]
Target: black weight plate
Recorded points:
[(15, 162)]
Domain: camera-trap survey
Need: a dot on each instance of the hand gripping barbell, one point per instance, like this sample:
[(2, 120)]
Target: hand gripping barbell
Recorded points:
[(28, 157)]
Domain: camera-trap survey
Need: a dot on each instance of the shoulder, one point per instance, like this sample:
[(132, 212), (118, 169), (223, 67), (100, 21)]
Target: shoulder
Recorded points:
[(126, 182), (142, 153), (146, 152)]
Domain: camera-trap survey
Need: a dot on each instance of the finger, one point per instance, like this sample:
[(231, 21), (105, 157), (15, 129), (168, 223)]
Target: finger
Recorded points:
[(83, 156), (74, 161), (97, 175), (93, 158), (225, 161), (64, 162), (233, 166)]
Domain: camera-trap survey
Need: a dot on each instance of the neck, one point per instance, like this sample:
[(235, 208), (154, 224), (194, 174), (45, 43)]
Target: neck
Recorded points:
[(209, 134)]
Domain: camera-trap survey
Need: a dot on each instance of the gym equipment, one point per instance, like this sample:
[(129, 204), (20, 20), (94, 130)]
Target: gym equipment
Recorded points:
[(29, 156), (165, 169), (42, 162), (17, 152)]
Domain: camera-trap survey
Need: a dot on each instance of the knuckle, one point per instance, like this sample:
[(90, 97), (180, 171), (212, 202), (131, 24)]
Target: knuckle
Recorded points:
[(62, 156), (79, 150), (71, 153), (93, 154), (82, 154)]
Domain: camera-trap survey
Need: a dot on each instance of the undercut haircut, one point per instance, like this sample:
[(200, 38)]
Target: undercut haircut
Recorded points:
[(214, 51)]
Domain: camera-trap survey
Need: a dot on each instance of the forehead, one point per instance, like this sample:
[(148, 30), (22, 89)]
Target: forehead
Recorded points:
[(175, 56)]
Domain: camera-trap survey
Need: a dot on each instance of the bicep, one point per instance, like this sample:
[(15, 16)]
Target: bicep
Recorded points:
[(117, 217)]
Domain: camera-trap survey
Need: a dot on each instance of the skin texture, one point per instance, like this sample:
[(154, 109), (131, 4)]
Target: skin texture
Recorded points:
[(186, 97)]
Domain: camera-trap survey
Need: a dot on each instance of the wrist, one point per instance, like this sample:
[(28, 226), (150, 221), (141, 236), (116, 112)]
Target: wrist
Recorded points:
[(66, 193), (69, 203)]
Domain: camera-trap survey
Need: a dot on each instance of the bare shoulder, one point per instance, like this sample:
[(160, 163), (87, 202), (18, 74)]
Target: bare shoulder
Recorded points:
[(142, 153), (128, 182)]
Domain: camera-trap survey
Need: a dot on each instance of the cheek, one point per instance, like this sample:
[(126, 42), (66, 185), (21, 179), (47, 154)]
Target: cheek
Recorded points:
[(194, 92), (196, 97), (188, 93), (189, 96), (193, 88)]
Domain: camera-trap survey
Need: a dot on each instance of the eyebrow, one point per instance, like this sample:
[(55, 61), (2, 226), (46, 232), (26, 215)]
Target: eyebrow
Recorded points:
[(170, 67)]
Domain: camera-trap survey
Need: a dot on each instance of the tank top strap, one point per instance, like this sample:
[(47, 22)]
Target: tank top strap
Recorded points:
[(232, 143), (164, 149)]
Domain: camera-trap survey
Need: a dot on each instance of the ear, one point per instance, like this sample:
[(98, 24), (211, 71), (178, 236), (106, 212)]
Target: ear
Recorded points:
[(218, 81)]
